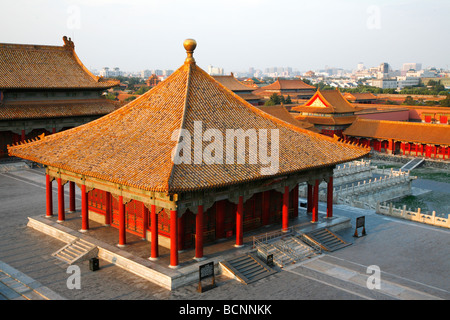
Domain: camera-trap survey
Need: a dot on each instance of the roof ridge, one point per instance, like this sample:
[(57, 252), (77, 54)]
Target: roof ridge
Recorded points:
[(18, 46), (402, 122), (183, 119)]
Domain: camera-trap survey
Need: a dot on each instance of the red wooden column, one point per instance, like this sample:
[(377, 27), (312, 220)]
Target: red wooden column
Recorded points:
[(72, 197), (180, 233), (122, 231), (285, 210), (330, 197), (295, 201), (84, 209), (220, 219), (173, 239), (61, 213), (154, 230), (390, 147), (108, 208), (49, 195), (145, 221), (315, 205), (309, 203), (22, 137), (265, 207), (240, 223), (199, 233)]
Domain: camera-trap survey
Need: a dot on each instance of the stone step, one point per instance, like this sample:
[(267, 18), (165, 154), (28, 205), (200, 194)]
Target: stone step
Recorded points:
[(76, 251), (247, 268)]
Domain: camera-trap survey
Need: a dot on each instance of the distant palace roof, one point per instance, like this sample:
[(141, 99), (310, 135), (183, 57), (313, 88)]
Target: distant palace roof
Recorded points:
[(46, 67), (232, 83), (416, 132), (282, 84), (327, 101), (133, 145), (358, 96)]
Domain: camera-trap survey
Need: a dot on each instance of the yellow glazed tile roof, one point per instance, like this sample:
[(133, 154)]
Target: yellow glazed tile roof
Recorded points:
[(56, 109), (416, 132), (46, 67), (133, 145), (327, 101)]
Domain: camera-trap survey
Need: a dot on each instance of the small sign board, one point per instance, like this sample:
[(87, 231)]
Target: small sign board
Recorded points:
[(360, 223), (206, 271)]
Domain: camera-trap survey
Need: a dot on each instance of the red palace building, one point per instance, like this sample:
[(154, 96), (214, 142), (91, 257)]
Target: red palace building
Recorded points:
[(123, 163), (427, 140), (46, 89)]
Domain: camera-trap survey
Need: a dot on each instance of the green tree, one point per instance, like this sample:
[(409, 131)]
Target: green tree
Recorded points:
[(445, 102), (288, 100), (111, 96), (142, 90), (409, 101), (273, 100)]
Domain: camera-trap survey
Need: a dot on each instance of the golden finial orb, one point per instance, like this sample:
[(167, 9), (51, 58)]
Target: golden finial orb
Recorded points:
[(190, 45)]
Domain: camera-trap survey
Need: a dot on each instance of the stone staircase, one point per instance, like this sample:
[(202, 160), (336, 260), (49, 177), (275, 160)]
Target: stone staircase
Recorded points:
[(414, 163), (326, 239), (288, 250), (76, 250), (247, 268)]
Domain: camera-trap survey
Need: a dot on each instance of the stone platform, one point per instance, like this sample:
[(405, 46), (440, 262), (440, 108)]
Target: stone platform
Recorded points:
[(134, 257)]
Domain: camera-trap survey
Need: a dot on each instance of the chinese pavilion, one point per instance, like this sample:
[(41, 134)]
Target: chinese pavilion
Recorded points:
[(152, 81), (329, 111), (46, 89), (125, 166)]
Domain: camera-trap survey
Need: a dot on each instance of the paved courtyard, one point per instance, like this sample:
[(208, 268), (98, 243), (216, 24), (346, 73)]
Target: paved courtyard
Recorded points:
[(412, 259)]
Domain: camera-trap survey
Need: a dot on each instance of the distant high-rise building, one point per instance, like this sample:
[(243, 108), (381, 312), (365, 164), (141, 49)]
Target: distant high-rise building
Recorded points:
[(360, 66), (412, 65), (145, 74), (108, 73), (384, 67), (215, 71)]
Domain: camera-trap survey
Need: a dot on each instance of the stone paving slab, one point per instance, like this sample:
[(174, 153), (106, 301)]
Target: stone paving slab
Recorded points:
[(390, 288), (14, 285), (134, 259), (412, 253)]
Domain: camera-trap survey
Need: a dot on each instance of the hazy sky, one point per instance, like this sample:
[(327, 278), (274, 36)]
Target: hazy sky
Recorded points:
[(236, 34)]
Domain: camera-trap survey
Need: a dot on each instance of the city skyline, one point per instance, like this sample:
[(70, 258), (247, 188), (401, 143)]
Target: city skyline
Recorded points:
[(137, 35)]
